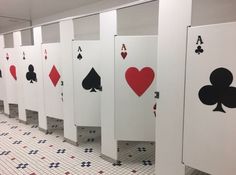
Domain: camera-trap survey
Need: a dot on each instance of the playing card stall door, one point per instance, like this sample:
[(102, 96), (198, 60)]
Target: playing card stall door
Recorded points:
[(87, 82), (10, 57), (210, 100), (2, 72), (53, 83), (31, 71), (135, 84), (2, 81)]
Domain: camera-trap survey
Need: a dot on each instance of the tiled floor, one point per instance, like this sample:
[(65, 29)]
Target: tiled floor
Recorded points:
[(24, 150)]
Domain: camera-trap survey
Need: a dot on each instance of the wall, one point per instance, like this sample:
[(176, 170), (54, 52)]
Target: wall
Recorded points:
[(144, 19), (203, 12), (213, 11), (87, 28), (14, 26), (27, 37), (8, 40), (51, 33), (101, 5)]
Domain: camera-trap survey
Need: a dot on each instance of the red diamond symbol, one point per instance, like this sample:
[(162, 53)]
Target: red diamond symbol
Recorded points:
[(54, 75)]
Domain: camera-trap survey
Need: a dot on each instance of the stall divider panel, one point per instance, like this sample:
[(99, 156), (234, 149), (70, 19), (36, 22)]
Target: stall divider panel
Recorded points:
[(108, 29), (3, 76), (66, 36)]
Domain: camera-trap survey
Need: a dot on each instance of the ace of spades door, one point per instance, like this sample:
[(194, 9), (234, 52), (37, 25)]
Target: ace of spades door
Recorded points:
[(53, 83), (135, 84), (87, 82), (210, 99)]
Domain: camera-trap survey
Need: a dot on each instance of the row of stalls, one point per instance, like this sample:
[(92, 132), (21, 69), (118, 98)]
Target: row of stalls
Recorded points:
[(100, 70), (66, 74)]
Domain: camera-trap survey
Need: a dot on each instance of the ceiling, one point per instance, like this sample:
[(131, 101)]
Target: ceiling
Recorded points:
[(14, 12)]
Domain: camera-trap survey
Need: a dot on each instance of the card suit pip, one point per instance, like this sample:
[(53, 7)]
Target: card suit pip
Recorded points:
[(139, 81), (54, 75), (13, 71), (7, 56), (220, 92)]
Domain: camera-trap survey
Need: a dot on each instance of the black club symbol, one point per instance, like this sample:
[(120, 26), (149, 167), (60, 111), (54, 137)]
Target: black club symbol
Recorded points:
[(31, 75), (199, 50), (220, 92)]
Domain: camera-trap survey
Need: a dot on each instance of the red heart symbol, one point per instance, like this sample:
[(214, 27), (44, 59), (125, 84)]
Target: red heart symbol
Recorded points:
[(139, 81), (123, 54), (13, 71)]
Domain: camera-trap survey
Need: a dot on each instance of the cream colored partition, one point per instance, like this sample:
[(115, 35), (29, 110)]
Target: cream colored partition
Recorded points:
[(3, 77), (108, 29), (174, 18), (66, 32)]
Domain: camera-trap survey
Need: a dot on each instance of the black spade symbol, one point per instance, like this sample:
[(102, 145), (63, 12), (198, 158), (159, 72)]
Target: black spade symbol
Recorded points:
[(92, 81), (220, 92), (31, 75), (79, 56)]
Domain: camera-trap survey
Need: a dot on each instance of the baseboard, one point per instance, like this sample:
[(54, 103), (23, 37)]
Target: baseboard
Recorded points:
[(22, 121), (11, 116), (5, 114), (71, 142), (106, 158), (189, 170), (43, 130)]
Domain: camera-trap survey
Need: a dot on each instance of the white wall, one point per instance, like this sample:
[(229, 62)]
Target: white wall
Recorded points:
[(101, 5), (14, 26), (87, 28), (144, 19), (8, 40), (213, 11), (27, 37), (204, 12), (51, 33)]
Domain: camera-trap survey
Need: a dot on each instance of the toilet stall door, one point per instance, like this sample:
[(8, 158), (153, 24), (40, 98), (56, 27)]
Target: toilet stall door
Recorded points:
[(31, 72), (10, 56), (135, 86), (52, 80), (87, 82), (210, 100)]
